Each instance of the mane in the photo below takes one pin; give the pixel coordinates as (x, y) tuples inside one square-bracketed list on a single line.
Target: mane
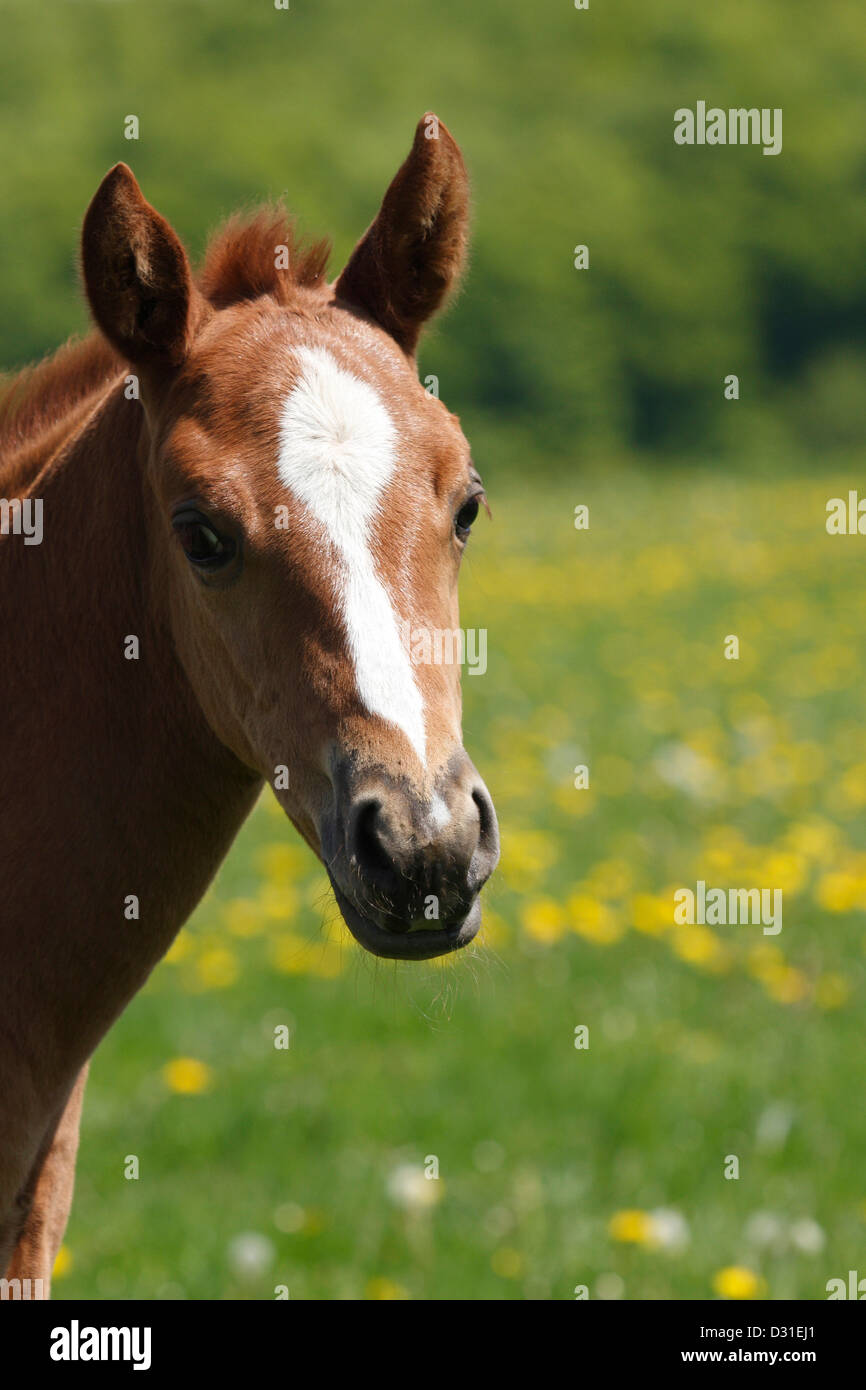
[(261, 254), (251, 255), (38, 397)]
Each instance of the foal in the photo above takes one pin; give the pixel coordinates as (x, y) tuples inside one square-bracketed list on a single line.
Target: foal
[(246, 495)]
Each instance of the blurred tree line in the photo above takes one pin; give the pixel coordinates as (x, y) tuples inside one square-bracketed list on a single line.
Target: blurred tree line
[(702, 261)]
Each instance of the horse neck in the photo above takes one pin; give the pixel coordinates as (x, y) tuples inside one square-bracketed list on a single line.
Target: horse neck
[(119, 786)]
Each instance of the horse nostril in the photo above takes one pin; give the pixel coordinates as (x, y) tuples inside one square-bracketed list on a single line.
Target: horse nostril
[(486, 816), (366, 847), (486, 854)]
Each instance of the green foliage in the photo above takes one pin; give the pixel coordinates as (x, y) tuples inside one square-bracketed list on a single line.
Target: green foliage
[(703, 261)]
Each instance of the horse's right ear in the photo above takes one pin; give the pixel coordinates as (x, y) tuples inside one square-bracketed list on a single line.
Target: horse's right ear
[(136, 274)]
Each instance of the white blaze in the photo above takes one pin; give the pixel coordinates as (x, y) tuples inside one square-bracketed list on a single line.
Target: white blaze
[(337, 455)]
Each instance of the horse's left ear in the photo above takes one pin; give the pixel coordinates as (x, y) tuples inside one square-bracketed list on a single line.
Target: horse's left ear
[(412, 255), (136, 274)]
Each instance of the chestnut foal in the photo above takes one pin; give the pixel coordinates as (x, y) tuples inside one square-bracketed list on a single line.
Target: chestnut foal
[(246, 495)]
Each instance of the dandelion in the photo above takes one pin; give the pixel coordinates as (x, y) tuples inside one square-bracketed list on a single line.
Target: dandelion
[(764, 961), (610, 878), (62, 1262), (282, 863), (838, 892), (288, 953), (651, 914), (217, 968), (496, 930), (507, 1262), (816, 839), (699, 946), (736, 1282), (631, 1227), (593, 919), (786, 985), (187, 1077), (832, 991), (385, 1289), (544, 920), (785, 871), (278, 901), (527, 856), (180, 948), (244, 917)]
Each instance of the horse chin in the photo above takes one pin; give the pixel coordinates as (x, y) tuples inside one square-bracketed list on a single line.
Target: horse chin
[(417, 943)]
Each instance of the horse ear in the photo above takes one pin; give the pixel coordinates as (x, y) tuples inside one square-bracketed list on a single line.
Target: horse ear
[(136, 274), (411, 256)]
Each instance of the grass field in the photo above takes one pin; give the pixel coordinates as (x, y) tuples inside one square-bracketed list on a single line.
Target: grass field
[(558, 1166)]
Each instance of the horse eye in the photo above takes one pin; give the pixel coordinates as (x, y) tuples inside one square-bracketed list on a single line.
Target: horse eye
[(465, 517), (202, 545)]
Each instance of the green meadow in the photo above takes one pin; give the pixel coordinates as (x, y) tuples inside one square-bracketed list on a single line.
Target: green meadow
[(600, 1165)]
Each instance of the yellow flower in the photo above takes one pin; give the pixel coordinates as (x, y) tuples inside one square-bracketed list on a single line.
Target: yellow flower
[(701, 1048), (283, 862), (186, 1076), (650, 914), (765, 961), (574, 802), (289, 953), (180, 948), (699, 946), (593, 919), (63, 1262), (785, 871), (632, 1227), (385, 1289), (328, 959), (544, 920), (294, 955), (832, 991), (271, 805), (507, 1263), (853, 786), (734, 1281), (495, 928), (244, 917), (278, 901), (817, 839), (217, 968), (786, 985), (838, 892), (527, 855), (610, 878)]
